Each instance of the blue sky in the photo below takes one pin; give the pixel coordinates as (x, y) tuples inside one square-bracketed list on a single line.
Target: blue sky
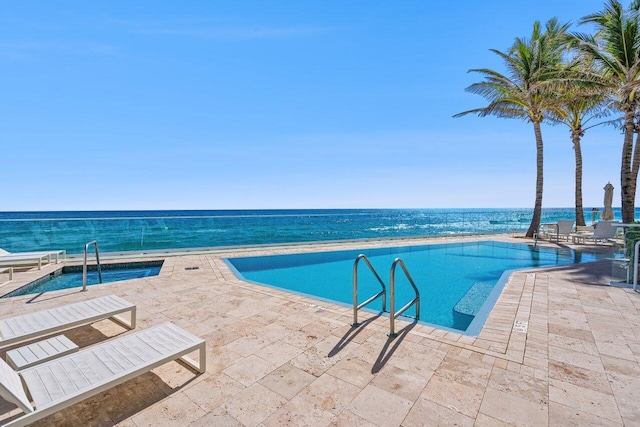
[(279, 104)]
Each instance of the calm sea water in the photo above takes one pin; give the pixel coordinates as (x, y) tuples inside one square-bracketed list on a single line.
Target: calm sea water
[(118, 231)]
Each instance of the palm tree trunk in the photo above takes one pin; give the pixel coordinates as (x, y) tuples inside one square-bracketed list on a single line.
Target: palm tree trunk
[(537, 209), (626, 177), (575, 138), (634, 173)]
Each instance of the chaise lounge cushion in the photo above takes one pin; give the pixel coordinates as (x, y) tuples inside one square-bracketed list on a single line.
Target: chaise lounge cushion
[(62, 382), (45, 322)]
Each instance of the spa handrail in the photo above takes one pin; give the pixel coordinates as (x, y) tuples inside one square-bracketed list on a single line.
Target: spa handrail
[(392, 293), (84, 266), (636, 256), (382, 293)]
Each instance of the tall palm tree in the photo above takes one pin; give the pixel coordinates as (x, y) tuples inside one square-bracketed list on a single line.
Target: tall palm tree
[(526, 91), (616, 49), (583, 99), (576, 114)]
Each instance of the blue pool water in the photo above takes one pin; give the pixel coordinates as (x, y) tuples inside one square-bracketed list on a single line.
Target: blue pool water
[(71, 277), (457, 282), (118, 231)]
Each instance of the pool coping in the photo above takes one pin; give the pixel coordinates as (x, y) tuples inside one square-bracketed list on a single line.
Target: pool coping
[(476, 325), (60, 269), (501, 336), (507, 374)]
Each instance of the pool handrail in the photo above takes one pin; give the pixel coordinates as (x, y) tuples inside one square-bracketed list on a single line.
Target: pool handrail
[(382, 293), (636, 256), (392, 293), (84, 266)]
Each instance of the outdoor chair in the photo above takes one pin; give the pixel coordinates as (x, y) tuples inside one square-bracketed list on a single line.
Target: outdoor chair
[(9, 272), (46, 322), (16, 259), (563, 229), (62, 382), (602, 232)]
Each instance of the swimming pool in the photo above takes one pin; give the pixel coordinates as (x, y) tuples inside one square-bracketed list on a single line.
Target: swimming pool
[(71, 277), (458, 282)]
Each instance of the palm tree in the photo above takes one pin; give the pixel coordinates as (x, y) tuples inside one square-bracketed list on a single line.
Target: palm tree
[(576, 113), (583, 100), (526, 91), (616, 50)]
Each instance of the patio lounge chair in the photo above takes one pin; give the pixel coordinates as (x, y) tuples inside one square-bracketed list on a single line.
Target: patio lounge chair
[(62, 382), (603, 232), (46, 322), (554, 231), (15, 259), (9, 271)]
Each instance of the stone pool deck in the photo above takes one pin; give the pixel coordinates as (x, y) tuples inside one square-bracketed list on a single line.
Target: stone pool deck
[(559, 348)]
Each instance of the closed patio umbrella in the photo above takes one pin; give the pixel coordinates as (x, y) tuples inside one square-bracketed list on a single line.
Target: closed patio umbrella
[(607, 212)]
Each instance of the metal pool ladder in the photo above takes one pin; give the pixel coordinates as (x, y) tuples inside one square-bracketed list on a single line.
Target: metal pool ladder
[(392, 290), (382, 293), (84, 267)]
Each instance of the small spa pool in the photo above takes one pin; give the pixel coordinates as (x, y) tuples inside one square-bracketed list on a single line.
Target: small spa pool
[(459, 283), (71, 277)]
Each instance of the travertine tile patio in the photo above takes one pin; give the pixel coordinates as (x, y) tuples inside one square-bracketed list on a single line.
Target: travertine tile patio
[(275, 358)]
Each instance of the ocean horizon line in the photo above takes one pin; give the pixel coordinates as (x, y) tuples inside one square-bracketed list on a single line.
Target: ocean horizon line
[(286, 209)]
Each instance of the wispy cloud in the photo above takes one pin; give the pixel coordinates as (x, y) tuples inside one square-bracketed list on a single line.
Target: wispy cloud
[(133, 23), (209, 28), (31, 50), (237, 33)]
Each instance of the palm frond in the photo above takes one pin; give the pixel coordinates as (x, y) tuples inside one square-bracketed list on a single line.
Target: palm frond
[(532, 74)]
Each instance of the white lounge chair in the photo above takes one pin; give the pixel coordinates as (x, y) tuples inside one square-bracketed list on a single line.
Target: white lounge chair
[(46, 322), (62, 382), (15, 259), (9, 271), (563, 228), (602, 232)]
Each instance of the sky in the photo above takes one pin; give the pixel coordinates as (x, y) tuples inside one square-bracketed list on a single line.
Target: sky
[(120, 105)]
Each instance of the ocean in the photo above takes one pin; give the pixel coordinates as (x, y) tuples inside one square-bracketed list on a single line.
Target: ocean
[(118, 231)]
